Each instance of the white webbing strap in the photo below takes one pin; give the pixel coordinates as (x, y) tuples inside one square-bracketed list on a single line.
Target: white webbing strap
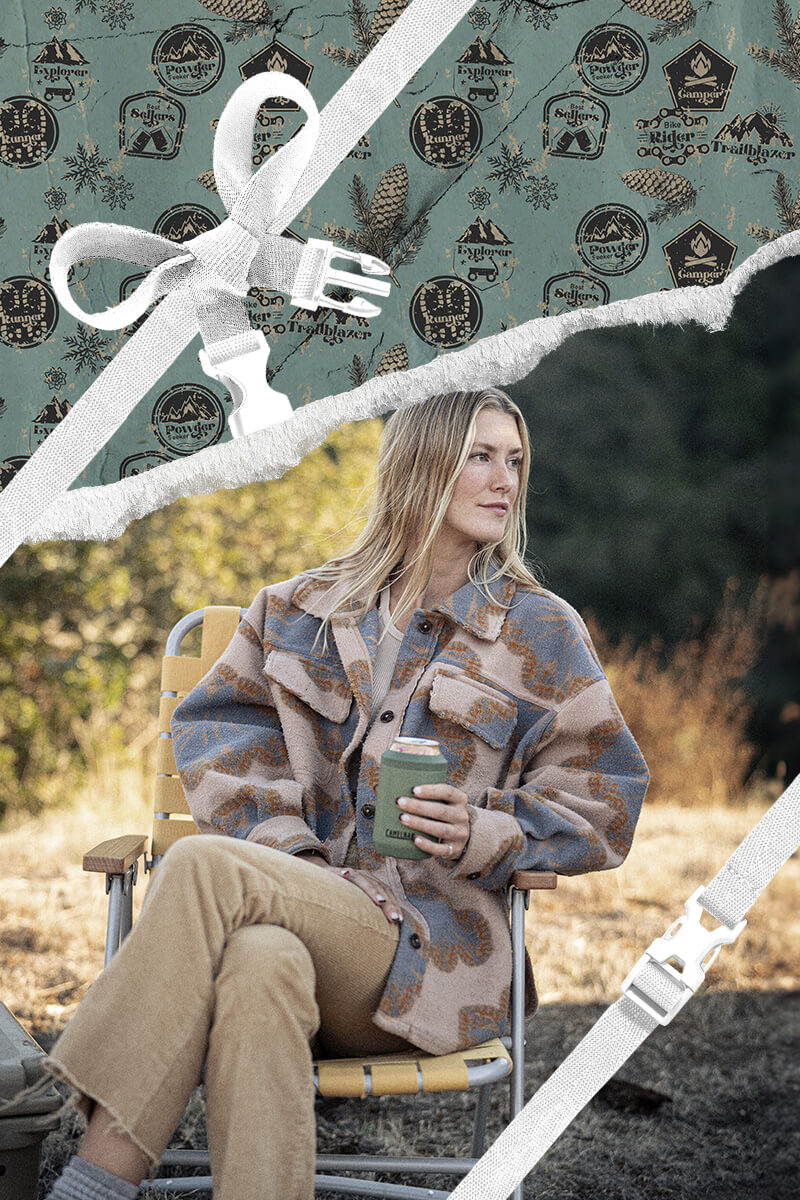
[(654, 992)]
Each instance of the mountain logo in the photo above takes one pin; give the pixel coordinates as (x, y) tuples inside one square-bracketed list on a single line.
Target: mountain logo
[(188, 417), (612, 239), (738, 136), (188, 59), (61, 73), (184, 221), (612, 59), (572, 289), (445, 132), (575, 125), (28, 311), (484, 73), (151, 125), (43, 243), (483, 253), (700, 78), (45, 422), (28, 131), (445, 311), (699, 256)]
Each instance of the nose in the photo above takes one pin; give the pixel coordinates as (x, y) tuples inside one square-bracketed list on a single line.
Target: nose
[(504, 477)]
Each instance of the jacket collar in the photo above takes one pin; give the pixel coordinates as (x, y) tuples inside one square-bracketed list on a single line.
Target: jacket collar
[(467, 606)]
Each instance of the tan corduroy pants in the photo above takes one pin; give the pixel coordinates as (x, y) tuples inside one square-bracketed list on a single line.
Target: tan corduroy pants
[(240, 956)]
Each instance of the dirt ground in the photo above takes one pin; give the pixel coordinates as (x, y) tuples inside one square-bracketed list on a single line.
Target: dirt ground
[(728, 1066), (725, 1123)]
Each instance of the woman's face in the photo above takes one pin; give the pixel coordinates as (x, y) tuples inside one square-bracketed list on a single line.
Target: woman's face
[(488, 483)]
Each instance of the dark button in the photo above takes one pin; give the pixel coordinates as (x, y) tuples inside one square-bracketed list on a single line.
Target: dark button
[(387, 716), (416, 941), (474, 875), (368, 810), (425, 627)]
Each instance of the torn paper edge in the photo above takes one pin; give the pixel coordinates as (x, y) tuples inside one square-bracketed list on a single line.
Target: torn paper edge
[(103, 512)]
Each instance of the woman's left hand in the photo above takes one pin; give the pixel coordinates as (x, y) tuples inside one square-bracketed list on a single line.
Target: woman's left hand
[(439, 810)]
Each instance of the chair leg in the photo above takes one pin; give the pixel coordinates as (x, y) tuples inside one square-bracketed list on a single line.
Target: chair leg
[(479, 1128), (114, 888), (519, 903)]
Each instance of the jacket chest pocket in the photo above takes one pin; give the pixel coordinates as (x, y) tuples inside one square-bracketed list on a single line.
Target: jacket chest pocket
[(475, 705), (313, 681)]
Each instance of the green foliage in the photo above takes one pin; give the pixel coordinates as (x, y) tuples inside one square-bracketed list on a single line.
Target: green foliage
[(82, 624)]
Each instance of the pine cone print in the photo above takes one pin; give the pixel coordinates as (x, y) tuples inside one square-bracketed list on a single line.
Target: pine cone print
[(240, 10), (662, 10), (676, 192), (386, 14), (390, 197), (674, 16), (395, 359)]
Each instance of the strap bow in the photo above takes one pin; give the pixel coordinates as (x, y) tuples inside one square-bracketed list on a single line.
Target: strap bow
[(213, 272)]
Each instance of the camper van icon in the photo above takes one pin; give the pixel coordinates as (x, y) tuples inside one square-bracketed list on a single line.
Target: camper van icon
[(60, 92), (483, 93)]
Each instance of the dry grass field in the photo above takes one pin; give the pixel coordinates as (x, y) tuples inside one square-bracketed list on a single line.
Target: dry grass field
[(728, 1063)]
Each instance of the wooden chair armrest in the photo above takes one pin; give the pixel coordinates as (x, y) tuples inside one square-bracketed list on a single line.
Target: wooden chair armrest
[(116, 855), (529, 880)]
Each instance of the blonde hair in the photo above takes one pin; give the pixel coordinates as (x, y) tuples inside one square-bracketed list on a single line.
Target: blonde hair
[(422, 451)]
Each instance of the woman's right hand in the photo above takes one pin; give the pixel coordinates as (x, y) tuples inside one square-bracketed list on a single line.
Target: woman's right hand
[(378, 894)]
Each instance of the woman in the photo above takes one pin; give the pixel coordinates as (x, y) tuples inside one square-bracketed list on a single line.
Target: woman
[(289, 934)]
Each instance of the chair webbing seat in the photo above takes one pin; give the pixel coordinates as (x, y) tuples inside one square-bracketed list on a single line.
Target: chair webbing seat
[(403, 1074)]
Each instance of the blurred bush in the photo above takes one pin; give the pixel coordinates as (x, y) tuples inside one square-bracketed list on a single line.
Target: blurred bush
[(83, 624)]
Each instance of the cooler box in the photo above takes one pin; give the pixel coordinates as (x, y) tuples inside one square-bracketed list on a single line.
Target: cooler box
[(24, 1126)]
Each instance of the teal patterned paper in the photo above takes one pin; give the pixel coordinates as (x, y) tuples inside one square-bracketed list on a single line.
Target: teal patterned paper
[(542, 159)]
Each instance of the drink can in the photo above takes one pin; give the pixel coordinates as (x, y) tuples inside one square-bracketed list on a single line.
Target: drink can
[(408, 763)]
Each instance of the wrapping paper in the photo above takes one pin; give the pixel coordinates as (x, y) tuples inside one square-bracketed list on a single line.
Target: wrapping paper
[(543, 163)]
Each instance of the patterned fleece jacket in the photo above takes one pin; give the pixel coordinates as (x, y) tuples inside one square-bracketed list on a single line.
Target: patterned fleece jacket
[(512, 690)]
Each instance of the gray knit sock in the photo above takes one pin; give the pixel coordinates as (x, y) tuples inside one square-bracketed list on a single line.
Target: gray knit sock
[(82, 1180)]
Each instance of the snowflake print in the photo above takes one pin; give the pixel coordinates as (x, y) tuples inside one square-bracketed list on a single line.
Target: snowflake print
[(80, 5), (55, 18), (117, 13), (3, 227), (2, 407), (479, 18), (55, 197), (86, 168), (87, 349), (539, 16), (54, 378), (479, 197), (540, 191), (510, 166), (116, 191)]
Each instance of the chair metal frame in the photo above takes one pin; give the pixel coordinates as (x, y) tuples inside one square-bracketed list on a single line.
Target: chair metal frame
[(118, 858)]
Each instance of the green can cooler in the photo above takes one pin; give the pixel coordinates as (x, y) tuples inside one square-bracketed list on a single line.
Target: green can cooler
[(408, 763)]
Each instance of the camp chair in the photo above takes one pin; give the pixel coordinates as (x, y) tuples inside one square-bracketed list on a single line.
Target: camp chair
[(377, 1075)]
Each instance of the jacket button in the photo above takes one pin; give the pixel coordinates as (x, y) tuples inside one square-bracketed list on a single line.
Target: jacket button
[(474, 875), (416, 941), (368, 810), (425, 627), (388, 715)]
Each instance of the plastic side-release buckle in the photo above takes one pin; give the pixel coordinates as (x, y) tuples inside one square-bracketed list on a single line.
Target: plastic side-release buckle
[(255, 404), (684, 953), (315, 271)]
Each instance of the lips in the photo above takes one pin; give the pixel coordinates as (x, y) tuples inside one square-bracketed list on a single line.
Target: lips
[(503, 508)]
